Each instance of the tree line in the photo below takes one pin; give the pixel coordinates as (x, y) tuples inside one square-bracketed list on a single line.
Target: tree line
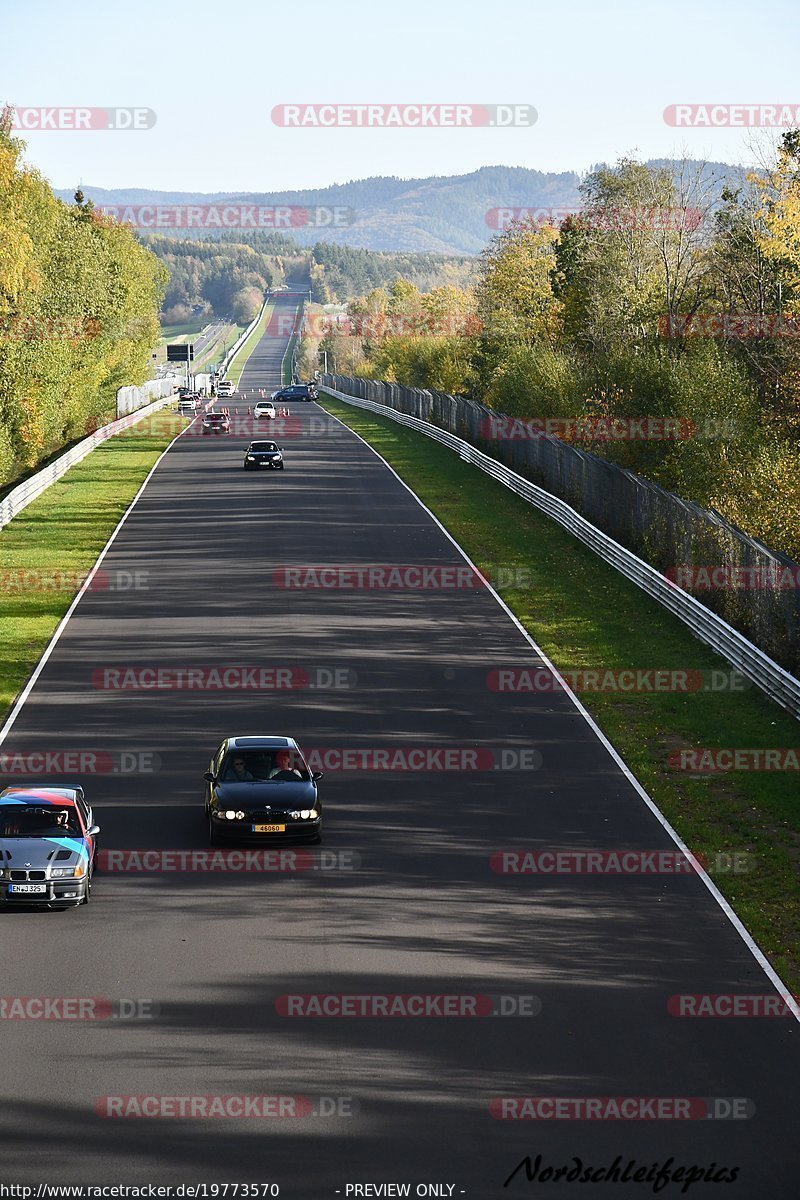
[(223, 277), (79, 302), (667, 295)]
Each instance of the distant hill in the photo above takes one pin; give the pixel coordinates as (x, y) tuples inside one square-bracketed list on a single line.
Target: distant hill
[(439, 215)]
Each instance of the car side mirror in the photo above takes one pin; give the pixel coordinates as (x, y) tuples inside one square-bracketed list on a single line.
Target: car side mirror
[(210, 777), (315, 775), (93, 831)]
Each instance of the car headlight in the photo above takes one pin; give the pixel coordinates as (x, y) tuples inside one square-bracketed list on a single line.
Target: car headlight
[(66, 872), (250, 457), (5, 873), (230, 814)]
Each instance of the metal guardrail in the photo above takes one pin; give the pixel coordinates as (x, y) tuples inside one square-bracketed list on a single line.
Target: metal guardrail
[(706, 625), (22, 495)]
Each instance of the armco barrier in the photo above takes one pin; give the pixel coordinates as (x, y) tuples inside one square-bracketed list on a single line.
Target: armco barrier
[(706, 625), (22, 495)]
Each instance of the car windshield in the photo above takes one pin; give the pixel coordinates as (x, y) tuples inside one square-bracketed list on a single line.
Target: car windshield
[(263, 446), (264, 766), (30, 821), (215, 419)]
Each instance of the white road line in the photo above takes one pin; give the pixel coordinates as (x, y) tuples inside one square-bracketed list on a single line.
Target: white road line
[(760, 958), (29, 686)]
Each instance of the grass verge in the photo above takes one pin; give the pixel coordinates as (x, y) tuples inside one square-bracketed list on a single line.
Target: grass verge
[(587, 617), (47, 550), (183, 331)]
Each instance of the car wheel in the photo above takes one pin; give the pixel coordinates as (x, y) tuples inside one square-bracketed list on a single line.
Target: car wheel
[(315, 841), (88, 893), (213, 837), (280, 468)]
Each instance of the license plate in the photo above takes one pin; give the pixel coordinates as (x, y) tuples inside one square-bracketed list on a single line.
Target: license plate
[(39, 888), (269, 829)]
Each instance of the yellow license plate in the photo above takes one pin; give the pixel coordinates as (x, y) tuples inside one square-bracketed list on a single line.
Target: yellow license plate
[(269, 829)]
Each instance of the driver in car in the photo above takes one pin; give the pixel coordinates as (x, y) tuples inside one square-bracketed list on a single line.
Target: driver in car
[(238, 772), (64, 820), (283, 768)]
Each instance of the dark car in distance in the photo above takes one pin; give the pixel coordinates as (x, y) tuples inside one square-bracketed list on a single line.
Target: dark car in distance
[(263, 454), (260, 789), (297, 391)]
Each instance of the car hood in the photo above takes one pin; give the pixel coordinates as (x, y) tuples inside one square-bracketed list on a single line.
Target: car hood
[(262, 795), (42, 852)]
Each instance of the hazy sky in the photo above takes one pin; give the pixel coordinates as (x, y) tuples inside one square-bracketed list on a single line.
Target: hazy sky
[(599, 76)]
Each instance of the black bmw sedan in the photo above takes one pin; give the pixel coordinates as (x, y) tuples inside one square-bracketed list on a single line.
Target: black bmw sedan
[(259, 789), (263, 454)]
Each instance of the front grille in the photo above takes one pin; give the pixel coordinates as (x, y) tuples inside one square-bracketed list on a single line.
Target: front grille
[(24, 876)]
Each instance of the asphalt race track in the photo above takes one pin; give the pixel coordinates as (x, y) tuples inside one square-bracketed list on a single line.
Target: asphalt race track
[(402, 897)]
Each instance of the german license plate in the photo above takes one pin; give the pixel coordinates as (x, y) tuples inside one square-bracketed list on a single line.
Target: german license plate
[(39, 888), (269, 829)]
